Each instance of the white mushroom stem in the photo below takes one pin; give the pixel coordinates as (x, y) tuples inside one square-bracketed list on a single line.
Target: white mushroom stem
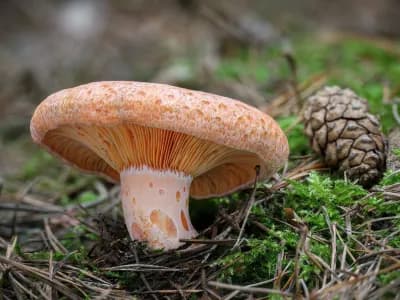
[(156, 206)]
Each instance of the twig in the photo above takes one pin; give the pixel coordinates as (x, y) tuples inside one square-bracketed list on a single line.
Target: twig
[(11, 247), (249, 207), (31, 284), (18, 285), (233, 294), (222, 235), (378, 220), (247, 288), (169, 292), (305, 289), (395, 112), (291, 61), (142, 267), (55, 243), (209, 242), (380, 293), (28, 208), (301, 245), (276, 106), (143, 278), (332, 231), (42, 275), (51, 274)]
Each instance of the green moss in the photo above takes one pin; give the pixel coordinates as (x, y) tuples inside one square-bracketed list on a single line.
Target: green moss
[(298, 141), (318, 201), (318, 191), (84, 197), (389, 277), (396, 152), (254, 264), (76, 235), (78, 256), (38, 163), (389, 177)]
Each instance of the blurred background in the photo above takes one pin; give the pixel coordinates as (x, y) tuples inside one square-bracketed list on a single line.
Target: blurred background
[(235, 48)]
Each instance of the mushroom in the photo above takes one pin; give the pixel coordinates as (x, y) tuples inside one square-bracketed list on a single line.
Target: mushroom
[(163, 144)]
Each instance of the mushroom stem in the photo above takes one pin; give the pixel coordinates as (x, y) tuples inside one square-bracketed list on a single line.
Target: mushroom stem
[(156, 206)]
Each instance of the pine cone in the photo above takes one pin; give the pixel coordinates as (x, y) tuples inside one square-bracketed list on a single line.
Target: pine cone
[(345, 134)]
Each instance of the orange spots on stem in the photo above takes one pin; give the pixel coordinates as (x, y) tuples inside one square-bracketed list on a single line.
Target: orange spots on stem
[(137, 232), (164, 223), (184, 221), (154, 216), (178, 196)]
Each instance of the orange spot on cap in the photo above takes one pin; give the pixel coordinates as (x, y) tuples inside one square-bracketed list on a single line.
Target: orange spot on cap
[(134, 200), (178, 196), (222, 106)]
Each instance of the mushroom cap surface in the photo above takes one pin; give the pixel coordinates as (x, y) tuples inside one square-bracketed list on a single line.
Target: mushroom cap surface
[(111, 105)]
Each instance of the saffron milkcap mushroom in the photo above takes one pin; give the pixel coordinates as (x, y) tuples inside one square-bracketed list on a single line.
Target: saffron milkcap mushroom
[(163, 144)]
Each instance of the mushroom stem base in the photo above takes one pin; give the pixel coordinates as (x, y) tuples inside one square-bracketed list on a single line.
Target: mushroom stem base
[(156, 206)]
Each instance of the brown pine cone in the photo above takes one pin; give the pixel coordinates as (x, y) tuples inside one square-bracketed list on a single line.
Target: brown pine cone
[(345, 134)]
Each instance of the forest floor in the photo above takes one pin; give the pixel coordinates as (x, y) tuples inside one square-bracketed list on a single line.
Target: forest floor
[(310, 233)]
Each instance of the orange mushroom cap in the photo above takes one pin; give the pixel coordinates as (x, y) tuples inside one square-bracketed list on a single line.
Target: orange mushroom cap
[(107, 127)]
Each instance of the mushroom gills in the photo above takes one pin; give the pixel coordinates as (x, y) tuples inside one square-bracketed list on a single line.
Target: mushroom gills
[(216, 169)]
